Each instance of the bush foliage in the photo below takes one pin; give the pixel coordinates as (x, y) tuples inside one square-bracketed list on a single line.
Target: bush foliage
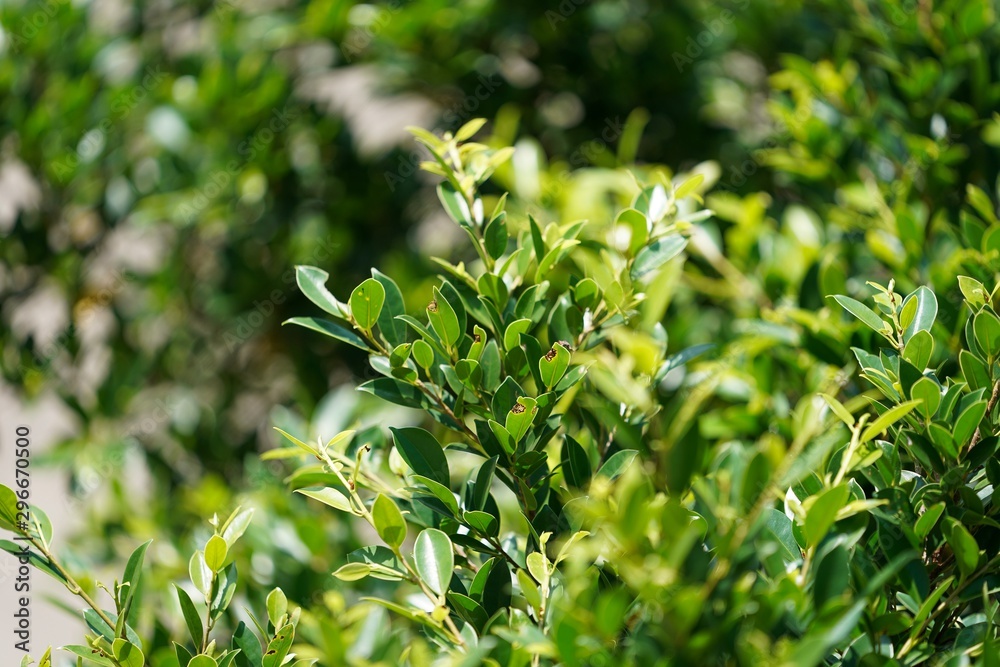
[(743, 412)]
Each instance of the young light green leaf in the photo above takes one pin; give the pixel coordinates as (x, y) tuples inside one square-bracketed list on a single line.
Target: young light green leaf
[(838, 409), (389, 521), (366, 302), (277, 606), (863, 313), (887, 419), (973, 291), (512, 336), (329, 496), (200, 573), (216, 551), (823, 512)]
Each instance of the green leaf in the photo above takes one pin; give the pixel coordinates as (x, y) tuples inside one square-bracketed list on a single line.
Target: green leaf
[(926, 312), (392, 328), (928, 392), (329, 496), (236, 525), (575, 463), (423, 453), (389, 521), (689, 186), (277, 606), (780, 528), (131, 577), (520, 417), (484, 482), (495, 236), (962, 544), (278, 648), (191, 616), (331, 329), (8, 509), (467, 131), (88, 653), (512, 336), (201, 574), (919, 348), (423, 354), (312, 282), (483, 522), (655, 255), (928, 520), (838, 409), (203, 661), (863, 313), (434, 559), (441, 492), (454, 204), (353, 571), (967, 422), (366, 302), (128, 654), (887, 419), (444, 320), (395, 391), (617, 463), (986, 326), (216, 551), (503, 436), (553, 365), (251, 653), (973, 370), (973, 291), (823, 513)]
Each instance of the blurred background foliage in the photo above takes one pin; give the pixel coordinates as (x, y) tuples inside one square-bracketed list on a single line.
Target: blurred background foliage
[(164, 165)]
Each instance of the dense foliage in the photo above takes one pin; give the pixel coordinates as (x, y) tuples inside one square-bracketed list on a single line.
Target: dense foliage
[(785, 484)]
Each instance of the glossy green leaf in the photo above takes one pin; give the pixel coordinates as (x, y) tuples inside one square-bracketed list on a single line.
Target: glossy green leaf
[(823, 512), (863, 313), (331, 329), (312, 282), (434, 559), (986, 326), (423, 453), (443, 319)]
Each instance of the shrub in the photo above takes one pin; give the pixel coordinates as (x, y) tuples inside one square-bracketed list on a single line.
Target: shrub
[(559, 491)]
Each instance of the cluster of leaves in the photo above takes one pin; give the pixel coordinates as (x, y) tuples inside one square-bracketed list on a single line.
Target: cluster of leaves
[(499, 362), (114, 641), (931, 484)]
